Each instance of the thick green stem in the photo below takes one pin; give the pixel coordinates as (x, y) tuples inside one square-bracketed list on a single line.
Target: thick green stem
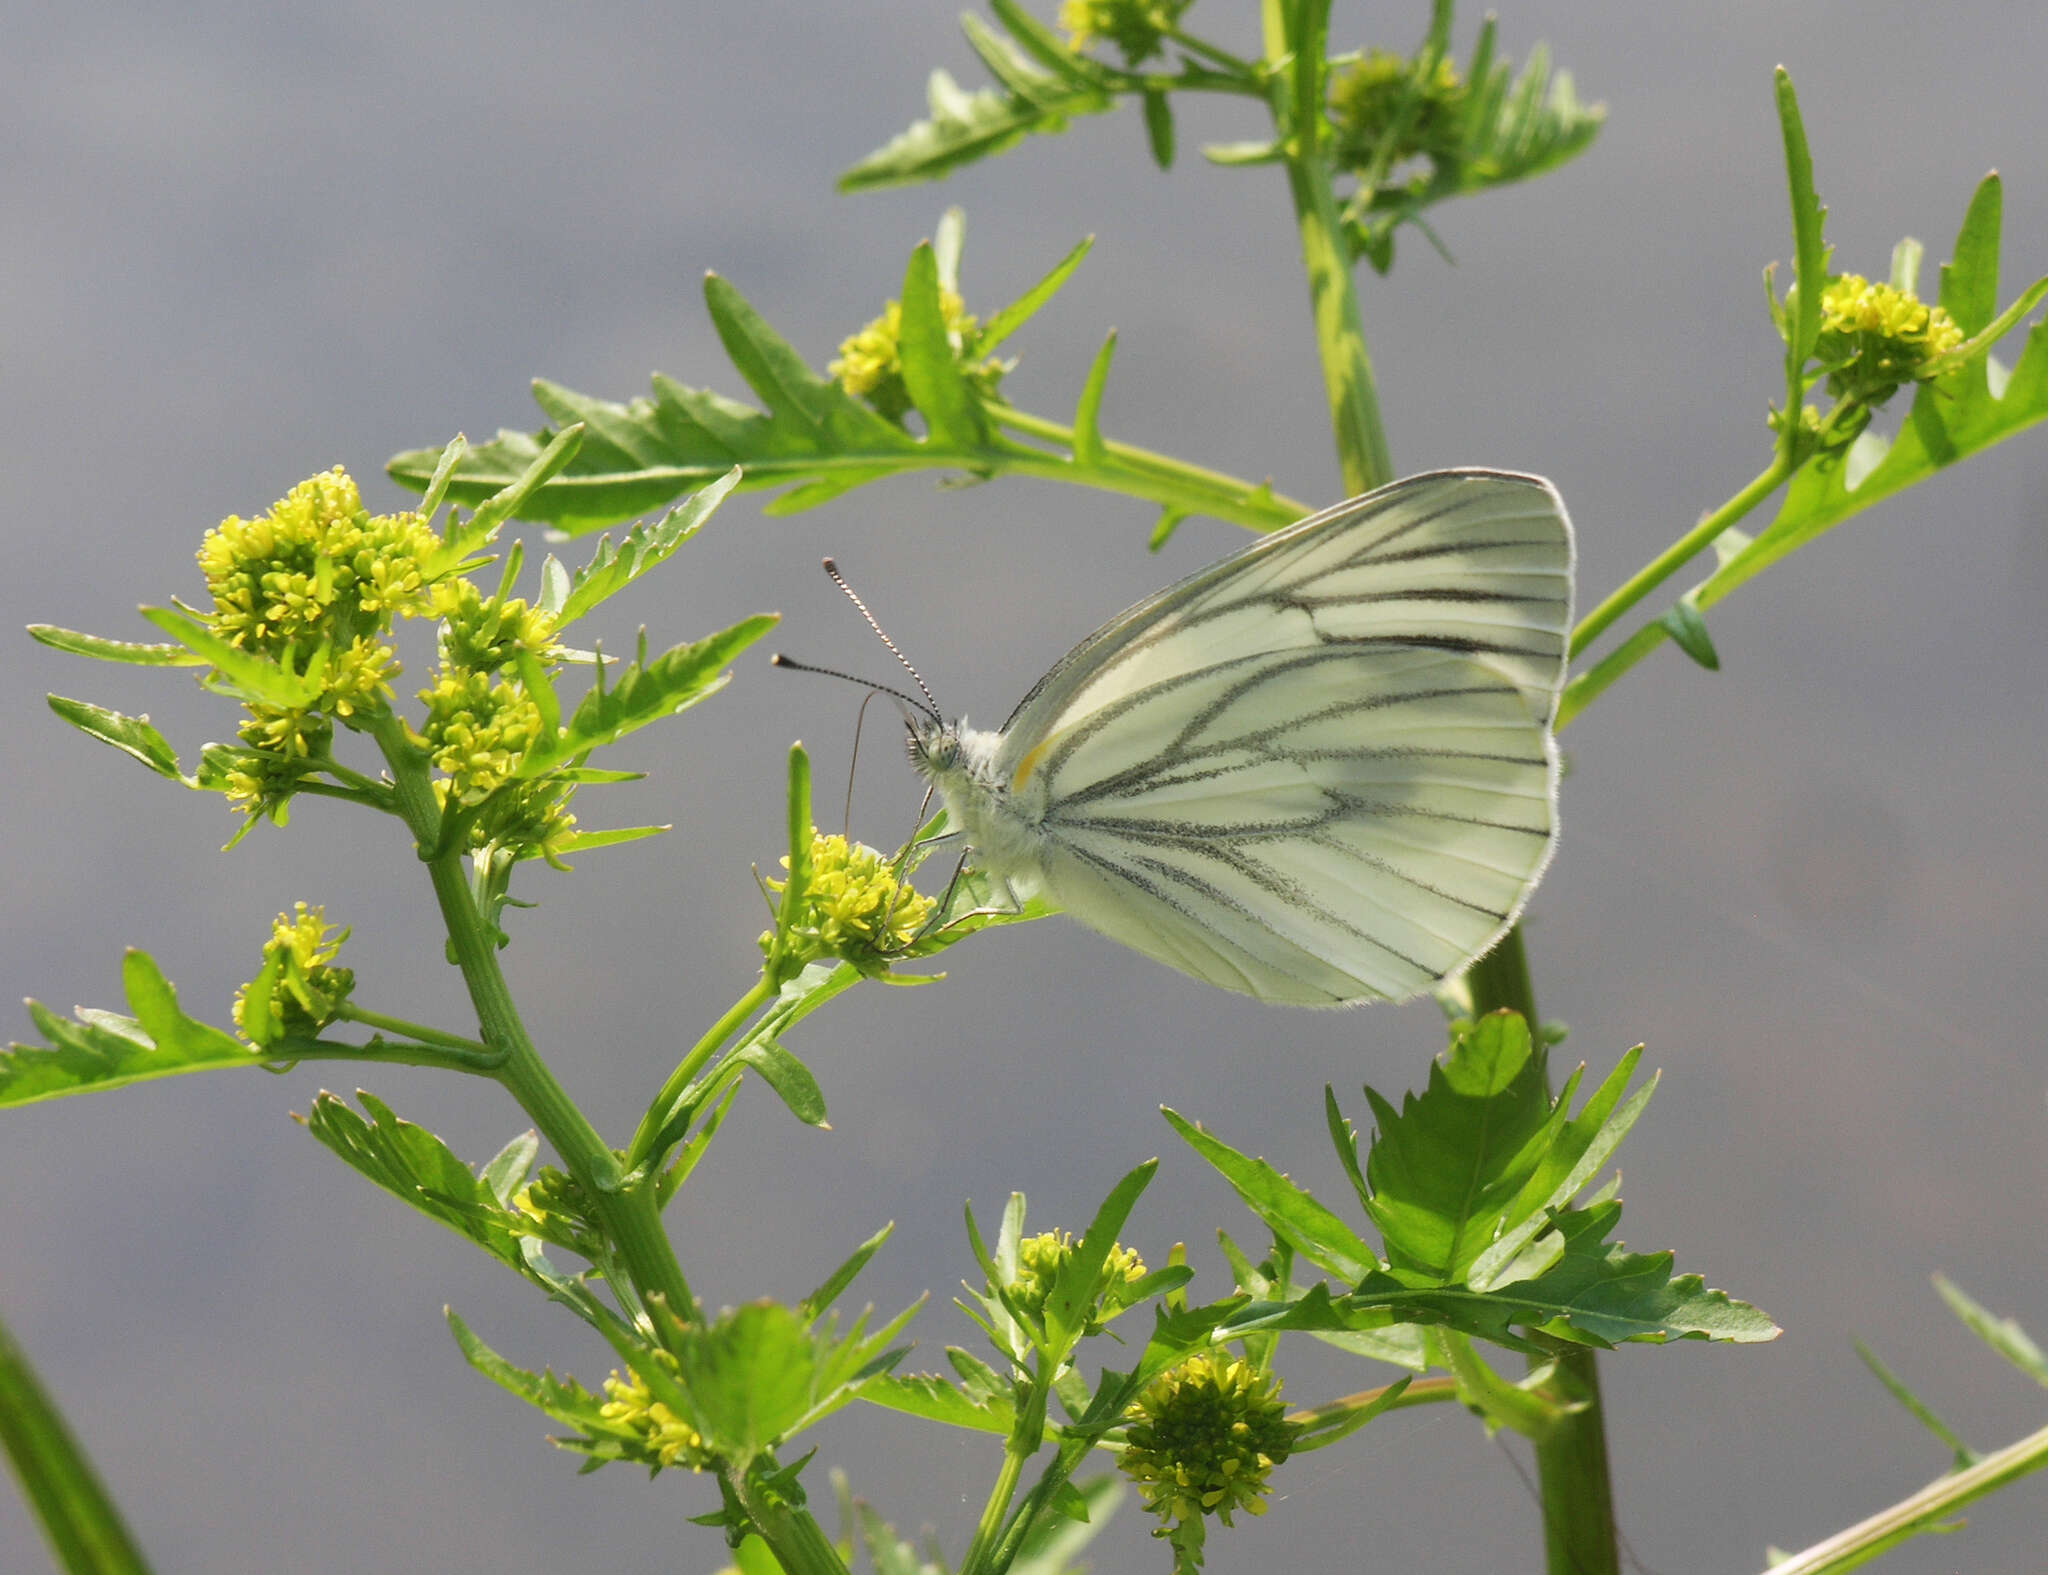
[(1574, 1482), (799, 1543), (630, 1217), (1295, 32)]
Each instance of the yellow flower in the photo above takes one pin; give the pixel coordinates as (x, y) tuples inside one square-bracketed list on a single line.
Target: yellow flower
[(870, 363), (661, 1438), (855, 908), (1136, 27), (1040, 1259), (1874, 337), (301, 992), (477, 731)]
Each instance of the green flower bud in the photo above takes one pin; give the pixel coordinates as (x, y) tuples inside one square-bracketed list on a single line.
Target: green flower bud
[(1368, 96), (482, 634), (1204, 1439), (855, 908)]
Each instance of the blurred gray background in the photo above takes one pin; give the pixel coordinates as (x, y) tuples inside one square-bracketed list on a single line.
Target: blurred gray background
[(246, 242)]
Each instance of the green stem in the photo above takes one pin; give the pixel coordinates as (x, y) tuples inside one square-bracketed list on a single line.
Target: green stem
[(799, 1543), (1247, 69), (1142, 473), (1296, 31), (1027, 1434), (1923, 1511), (630, 1217), (1679, 553), (1574, 1483), (714, 1039), (416, 1031)]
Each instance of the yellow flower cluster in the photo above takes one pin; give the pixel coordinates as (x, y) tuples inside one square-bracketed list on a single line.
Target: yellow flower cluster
[(483, 634), (477, 730), (319, 566), (1875, 337), (1204, 1439), (870, 363), (856, 909), (1367, 96), (306, 992), (1136, 27), (664, 1439), (1040, 1259)]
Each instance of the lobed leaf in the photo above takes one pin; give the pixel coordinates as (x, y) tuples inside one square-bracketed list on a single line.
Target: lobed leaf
[(1290, 1211), (99, 1049), (611, 569)]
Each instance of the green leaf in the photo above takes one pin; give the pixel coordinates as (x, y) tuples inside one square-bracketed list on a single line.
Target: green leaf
[(1447, 1171), (1683, 621), (254, 677), (1290, 1211), (132, 735), (964, 127), (415, 1166), (507, 502), (611, 569), (1072, 1297), (563, 1399), (931, 367), (790, 1078), (646, 692), (821, 1299), (2003, 1335), (99, 1049), (1809, 255), (929, 1396), (1159, 127), (79, 1517), (102, 649), (1088, 449), (1054, 1543), (1964, 1455), (1007, 320)]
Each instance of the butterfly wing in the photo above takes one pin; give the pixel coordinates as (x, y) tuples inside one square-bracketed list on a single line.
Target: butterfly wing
[(1320, 770)]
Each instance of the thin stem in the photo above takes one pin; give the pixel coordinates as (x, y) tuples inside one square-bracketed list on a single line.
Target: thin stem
[(1222, 57), (416, 1031), (1027, 1434), (714, 1039), (1859, 1544), (1679, 553), (1296, 32)]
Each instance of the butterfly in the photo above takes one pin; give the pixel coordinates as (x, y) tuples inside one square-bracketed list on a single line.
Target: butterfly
[(1320, 771)]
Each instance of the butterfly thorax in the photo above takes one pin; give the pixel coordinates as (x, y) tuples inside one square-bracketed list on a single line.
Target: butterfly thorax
[(999, 823)]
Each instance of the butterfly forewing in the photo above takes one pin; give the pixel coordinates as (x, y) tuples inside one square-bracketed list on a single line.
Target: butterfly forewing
[(1321, 770)]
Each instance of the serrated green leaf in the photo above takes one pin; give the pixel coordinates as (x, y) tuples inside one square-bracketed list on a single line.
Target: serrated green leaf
[(931, 368), (132, 735), (104, 650), (1447, 1171), (100, 1049), (646, 692), (929, 1396), (964, 127), (86, 1533), (1072, 1296), (1290, 1211), (415, 1166), (611, 569)]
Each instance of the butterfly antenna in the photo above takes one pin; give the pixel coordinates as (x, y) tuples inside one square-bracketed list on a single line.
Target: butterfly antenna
[(790, 662), (860, 718), (832, 569)]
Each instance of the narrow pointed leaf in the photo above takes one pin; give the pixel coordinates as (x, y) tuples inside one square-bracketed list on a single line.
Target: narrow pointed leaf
[(931, 368), (132, 735), (1007, 320), (1088, 449), (1289, 1210), (102, 649)]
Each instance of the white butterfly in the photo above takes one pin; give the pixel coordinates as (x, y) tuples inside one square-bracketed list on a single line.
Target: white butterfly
[(1320, 771)]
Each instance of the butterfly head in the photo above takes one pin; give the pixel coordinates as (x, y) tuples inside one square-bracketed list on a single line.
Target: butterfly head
[(934, 744)]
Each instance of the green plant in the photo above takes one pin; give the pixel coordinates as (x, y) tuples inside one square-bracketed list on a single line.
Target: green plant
[(1481, 1242)]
